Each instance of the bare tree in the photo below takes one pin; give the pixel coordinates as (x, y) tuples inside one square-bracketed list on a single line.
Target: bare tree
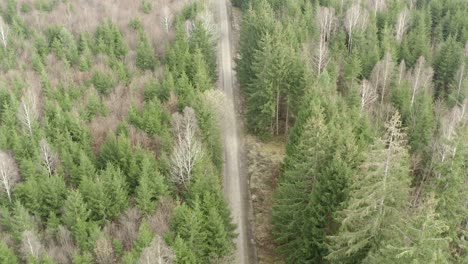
[(188, 148), (420, 76), (450, 123), (382, 74), (377, 6), (326, 21), (28, 112), (166, 17), (104, 251), (461, 79), (31, 246), (157, 253), (356, 19), (368, 95), (4, 30), (401, 71), (209, 24), (8, 173), (48, 157), (401, 25)]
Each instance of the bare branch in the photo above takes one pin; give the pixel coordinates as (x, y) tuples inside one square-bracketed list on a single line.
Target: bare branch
[(157, 253), (420, 77), (4, 30), (326, 21), (8, 173), (401, 71), (29, 108), (368, 95), (377, 6), (48, 157), (31, 246), (401, 25), (188, 148), (104, 251), (356, 19), (382, 74), (166, 18)]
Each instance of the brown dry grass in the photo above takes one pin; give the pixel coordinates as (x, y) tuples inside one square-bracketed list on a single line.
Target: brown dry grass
[(264, 159)]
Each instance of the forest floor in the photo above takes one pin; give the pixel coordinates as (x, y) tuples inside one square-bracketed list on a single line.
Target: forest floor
[(235, 182), (263, 161)]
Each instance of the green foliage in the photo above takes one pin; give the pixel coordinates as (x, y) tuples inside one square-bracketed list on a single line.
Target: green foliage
[(7, 256), (151, 186), (75, 210), (103, 82), (146, 6), (446, 64), (145, 55), (377, 200), (109, 40)]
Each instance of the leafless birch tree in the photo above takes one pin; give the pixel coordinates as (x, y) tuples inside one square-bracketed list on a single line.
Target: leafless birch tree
[(326, 21), (187, 149), (450, 123), (166, 17), (31, 246), (157, 253), (401, 71), (208, 22), (48, 157), (356, 19), (401, 25), (377, 6), (420, 76), (8, 173), (382, 74), (28, 112), (4, 30), (368, 95)]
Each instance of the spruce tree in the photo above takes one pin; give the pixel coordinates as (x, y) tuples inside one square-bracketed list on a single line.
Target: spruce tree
[(145, 55), (446, 64), (74, 209), (377, 201), (7, 256)]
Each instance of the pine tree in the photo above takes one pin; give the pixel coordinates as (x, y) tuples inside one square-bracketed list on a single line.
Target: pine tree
[(75, 209), (95, 197), (446, 64), (292, 195), (7, 256), (377, 200), (261, 91), (423, 240), (115, 189), (218, 239), (200, 76), (145, 55), (145, 195), (184, 253), (53, 194)]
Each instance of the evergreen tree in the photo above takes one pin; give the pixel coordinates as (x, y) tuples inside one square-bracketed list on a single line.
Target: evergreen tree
[(75, 209), (446, 64), (184, 253), (377, 200), (115, 189), (7, 256), (145, 55), (422, 241)]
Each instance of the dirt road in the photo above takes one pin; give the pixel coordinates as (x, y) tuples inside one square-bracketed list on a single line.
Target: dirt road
[(235, 183)]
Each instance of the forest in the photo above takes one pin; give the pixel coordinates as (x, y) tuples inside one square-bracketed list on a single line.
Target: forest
[(110, 150), (370, 97)]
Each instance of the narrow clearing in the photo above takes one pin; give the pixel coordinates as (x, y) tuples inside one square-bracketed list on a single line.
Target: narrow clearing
[(235, 184)]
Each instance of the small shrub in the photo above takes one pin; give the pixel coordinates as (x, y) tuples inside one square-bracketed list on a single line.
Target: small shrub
[(103, 82)]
